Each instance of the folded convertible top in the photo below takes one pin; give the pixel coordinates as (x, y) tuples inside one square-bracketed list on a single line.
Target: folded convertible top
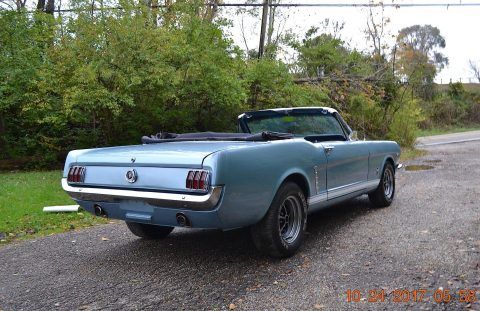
[(214, 136)]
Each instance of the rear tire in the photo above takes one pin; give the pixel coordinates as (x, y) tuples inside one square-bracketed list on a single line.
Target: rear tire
[(280, 233), (385, 192), (150, 232)]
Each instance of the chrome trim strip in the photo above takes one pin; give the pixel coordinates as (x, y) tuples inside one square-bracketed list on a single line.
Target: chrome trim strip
[(173, 200), (317, 198), (347, 189), (317, 181)]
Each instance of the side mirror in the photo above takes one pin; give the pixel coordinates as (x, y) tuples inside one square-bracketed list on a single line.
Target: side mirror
[(353, 135)]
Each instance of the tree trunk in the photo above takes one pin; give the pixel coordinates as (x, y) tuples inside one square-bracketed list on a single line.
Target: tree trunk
[(41, 5), (271, 24), (20, 4), (50, 8), (211, 10)]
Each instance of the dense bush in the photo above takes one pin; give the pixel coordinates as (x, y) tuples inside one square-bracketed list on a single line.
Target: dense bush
[(109, 77), (452, 107)]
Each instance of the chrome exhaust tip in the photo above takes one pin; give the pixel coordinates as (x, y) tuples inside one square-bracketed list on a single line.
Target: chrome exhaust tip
[(99, 211), (183, 220)]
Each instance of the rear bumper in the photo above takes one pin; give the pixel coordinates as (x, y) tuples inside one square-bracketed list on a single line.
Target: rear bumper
[(200, 202), (138, 211)]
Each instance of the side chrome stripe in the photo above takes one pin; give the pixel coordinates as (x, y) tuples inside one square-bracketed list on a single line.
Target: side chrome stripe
[(317, 198), (347, 189), (344, 190)]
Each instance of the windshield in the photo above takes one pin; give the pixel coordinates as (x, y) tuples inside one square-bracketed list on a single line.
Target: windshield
[(297, 124)]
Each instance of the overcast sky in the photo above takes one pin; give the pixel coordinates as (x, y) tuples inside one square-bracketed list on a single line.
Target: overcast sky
[(459, 26)]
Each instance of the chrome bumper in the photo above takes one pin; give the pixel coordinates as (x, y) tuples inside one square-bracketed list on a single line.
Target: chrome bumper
[(170, 200)]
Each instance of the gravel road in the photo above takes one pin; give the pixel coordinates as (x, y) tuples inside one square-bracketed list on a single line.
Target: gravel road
[(448, 138), (428, 239)]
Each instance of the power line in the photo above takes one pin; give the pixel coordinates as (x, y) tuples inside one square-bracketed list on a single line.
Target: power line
[(456, 4), (298, 5)]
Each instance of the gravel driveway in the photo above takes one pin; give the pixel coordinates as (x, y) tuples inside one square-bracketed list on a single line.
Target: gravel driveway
[(428, 239)]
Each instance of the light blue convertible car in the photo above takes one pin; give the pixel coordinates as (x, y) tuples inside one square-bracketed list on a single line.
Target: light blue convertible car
[(282, 165)]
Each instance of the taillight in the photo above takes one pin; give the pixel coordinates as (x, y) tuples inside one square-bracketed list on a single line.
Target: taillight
[(198, 180), (76, 174)]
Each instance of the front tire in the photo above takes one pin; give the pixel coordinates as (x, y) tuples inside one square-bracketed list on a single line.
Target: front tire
[(280, 233), (150, 232), (383, 195)]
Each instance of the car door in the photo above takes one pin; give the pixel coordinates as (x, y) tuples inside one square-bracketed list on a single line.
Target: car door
[(347, 163), (347, 167)]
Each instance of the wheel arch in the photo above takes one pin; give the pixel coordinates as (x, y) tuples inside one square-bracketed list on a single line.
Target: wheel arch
[(298, 177), (389, 159), (300, 180)]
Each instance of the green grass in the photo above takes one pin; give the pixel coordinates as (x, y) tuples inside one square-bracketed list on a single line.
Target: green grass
[(22, 198), (447, 130)]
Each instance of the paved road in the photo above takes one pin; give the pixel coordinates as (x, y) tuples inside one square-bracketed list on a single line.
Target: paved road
[(448, 138), (428, 239)]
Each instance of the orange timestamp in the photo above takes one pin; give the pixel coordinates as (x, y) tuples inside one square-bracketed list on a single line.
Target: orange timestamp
[(417, 295)]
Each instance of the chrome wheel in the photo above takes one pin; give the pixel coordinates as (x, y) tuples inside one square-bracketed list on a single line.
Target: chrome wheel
[(290, 219), (388, 183)]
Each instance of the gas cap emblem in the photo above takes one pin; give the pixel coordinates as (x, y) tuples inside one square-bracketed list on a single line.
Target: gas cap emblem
[(131, 176)]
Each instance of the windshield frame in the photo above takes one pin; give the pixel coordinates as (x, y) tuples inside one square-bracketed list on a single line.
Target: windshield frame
[(244, 118)]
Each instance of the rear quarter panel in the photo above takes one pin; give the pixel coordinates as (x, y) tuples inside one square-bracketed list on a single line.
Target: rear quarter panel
[(252, 176)]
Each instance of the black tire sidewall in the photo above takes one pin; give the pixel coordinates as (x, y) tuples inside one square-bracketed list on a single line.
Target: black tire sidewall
[(285, 191), (388, 166)]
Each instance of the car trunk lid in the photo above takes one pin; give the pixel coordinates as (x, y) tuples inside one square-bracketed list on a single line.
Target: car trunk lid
[(162, 166)]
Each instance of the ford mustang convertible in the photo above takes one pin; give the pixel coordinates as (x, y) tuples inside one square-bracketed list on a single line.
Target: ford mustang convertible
[(281, 165)]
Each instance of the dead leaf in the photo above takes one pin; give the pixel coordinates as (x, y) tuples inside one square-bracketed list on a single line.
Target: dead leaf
[(105, 239), (318, 307), (232, 306)]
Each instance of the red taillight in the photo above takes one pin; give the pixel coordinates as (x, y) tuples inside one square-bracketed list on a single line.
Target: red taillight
[(76, 170), (197, 180), (190, 175), (201, 182), (76, 174)]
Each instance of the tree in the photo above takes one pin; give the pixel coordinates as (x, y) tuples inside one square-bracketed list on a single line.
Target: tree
[(475, 69), (426, 40), (419, 57), (49, 7), (328, 55), (375, 32)]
